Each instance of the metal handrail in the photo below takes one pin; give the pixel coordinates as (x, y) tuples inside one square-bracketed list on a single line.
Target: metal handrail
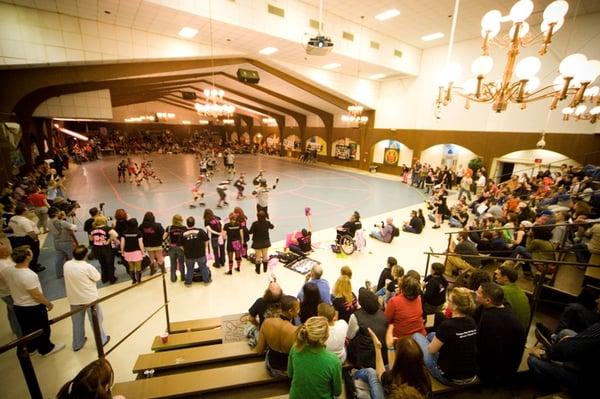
[(98, 301), (24, 339), (533, 226)]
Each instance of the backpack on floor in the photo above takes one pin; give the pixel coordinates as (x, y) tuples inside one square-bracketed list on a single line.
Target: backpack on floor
[(395, 231)]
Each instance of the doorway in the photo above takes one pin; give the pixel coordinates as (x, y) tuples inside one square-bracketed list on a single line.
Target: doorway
[(506, 171)]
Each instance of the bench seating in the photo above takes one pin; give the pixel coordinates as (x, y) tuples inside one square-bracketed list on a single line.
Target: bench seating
[(438, 388), (188, 339), (196, 382), (195, 325), (171, 359)]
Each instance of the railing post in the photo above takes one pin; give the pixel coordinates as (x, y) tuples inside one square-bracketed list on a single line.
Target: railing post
[(537, 293), (97, 335), (166, 299), (28, 372), (447, 250), (427, 265)]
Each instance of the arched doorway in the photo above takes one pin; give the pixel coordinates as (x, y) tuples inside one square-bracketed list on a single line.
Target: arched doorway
[(345, 149), (317, 143), (528, 161), (397, 153), (292, 143), (450, 155)]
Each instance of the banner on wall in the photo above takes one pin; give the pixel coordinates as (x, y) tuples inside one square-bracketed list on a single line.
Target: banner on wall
[(345, 152), (391, 156)]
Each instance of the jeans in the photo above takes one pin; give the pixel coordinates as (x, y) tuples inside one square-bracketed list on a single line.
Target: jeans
[(455, 222), (552, 376), (369, 375), (218, 250), (377, 235), (409, 229), (189, 269), (176, 257), (64, 252), (430, 359), (79, 327), (462, 190), (12, 317)]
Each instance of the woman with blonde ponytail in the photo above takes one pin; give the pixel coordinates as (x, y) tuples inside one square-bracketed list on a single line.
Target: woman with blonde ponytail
[(315, 372)]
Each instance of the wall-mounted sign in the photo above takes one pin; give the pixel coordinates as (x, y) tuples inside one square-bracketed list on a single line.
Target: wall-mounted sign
[(391, 156)]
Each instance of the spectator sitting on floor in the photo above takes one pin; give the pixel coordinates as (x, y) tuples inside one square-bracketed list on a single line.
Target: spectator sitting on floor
[(576, 316), (571, 363), (314, 276), (268, 305), (414, 225), (501, 336), (300, 242), (435, 289), (277, 336), (338, 328), (506, 276), (386, 231), (459, 261)]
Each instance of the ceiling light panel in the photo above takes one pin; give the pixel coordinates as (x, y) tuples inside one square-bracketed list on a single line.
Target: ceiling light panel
[(268, 50), (188, 32), (384, 16), (377, 76), (333, 65), (432, 36)]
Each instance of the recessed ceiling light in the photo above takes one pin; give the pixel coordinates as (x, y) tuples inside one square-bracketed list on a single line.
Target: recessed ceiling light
[(433, 36), (268, 50), (377, 76), (188, 32), (333, 65), (391, 13)]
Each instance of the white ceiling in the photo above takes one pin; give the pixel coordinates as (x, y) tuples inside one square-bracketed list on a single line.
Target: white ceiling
[(421, 17)]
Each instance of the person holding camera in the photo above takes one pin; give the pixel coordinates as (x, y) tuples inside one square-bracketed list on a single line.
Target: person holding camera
[(63, 234), (262, 195), (386, 232)]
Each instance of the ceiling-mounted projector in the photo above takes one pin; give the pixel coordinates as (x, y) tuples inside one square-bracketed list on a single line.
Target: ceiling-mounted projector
[(319, 45)]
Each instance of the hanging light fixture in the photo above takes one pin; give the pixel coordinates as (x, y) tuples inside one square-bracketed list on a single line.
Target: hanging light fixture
[(355, 111), (577, 73), (213, 108)]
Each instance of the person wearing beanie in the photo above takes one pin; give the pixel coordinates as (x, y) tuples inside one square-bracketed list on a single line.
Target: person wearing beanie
[(361, 351)]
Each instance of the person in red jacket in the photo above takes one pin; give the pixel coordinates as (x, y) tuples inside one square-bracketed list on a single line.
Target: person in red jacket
[(405, 311)]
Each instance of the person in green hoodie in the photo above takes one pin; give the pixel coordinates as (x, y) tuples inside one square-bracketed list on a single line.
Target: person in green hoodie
[(315, 372), (506, 276)]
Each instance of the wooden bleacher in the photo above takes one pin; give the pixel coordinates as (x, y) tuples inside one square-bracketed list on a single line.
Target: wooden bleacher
[(196, 382), (179, 358), (439, 388), (188, 339), (195, 325)]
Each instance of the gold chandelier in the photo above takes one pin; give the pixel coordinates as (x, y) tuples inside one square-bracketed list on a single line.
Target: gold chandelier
[(577, 72), (355, 111), (213, 107)]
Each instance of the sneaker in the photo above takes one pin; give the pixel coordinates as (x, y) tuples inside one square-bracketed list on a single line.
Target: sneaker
[(82, 345), (237, 269), (545, 331), (57, 348), (542, 339), (192, 206), (228, 272)]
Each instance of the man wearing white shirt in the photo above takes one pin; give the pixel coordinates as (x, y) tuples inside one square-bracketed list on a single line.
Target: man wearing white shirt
[(26, 233), (31, 306), (6, 264), (80, 283)]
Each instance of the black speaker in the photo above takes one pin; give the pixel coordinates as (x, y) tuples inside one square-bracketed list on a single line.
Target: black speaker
[(188, 95), (247, 76)]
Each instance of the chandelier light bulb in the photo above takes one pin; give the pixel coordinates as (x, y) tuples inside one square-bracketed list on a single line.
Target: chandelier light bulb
[(450, 74), (470, 86), (521, 10), (522, 31), (482, 65), (545, 27), (568, 110), (595, 110), (532, 84), (558, 82), (491, 20), (589, 71), (528, 67), (580, 109), (556, 11), (591, 91), (572, 64)]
